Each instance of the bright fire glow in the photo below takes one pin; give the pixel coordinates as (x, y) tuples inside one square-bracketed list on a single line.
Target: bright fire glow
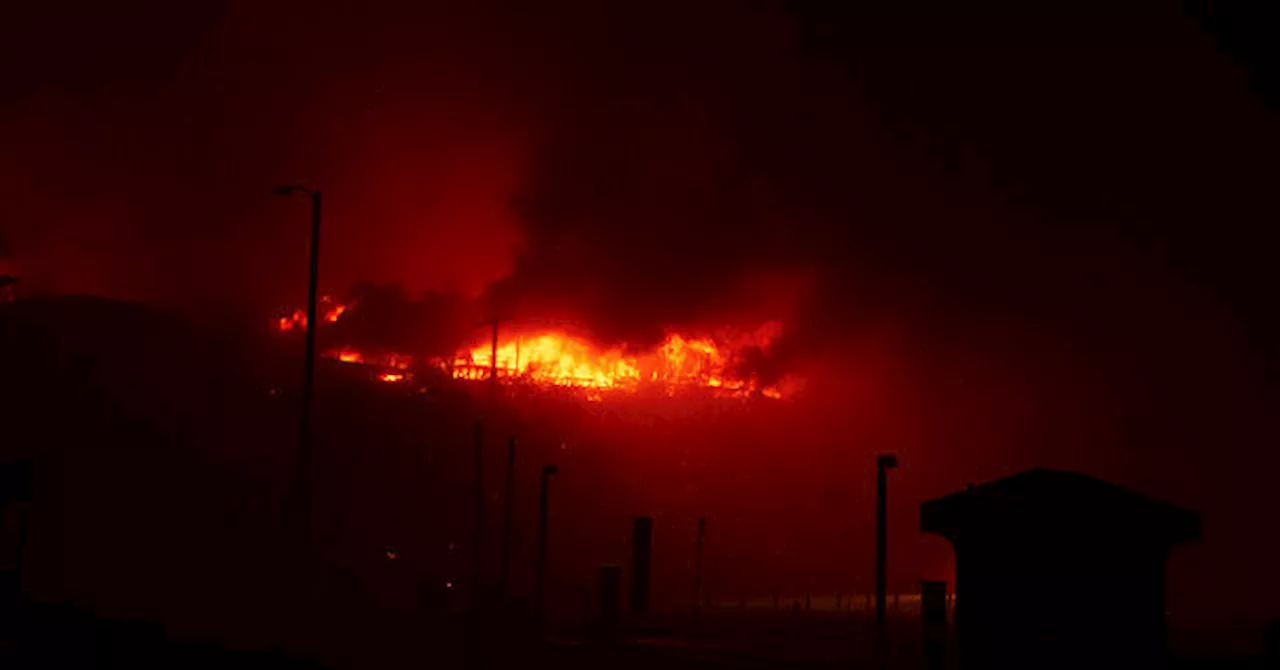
[(554, 358), (558, 359), (349, 356), (298, 319)]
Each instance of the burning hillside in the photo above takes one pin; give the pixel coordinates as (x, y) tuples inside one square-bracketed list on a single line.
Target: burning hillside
[(719, 363)]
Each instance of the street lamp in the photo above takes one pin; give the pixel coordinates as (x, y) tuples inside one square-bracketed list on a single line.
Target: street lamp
[(309, 355)]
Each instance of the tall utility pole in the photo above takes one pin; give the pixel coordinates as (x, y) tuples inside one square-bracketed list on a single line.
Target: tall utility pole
[(540, 576), (493, 361), (301, 490), (479, 454), (493, 354), (884, 463), (508, 503), (697, 564)]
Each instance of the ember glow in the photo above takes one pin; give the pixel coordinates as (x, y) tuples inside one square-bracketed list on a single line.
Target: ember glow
[(331, 310)]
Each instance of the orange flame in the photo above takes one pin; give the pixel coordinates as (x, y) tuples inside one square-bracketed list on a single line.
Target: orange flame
[(556, 359), (298, 318), (349, 356)]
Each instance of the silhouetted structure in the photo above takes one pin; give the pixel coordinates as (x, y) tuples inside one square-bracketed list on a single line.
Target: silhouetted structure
[(508, 507), (477, 533), (302, 491), (641, 564), (697, 564), (1059, 570), (493, 356), (884, 463), (540, 576), (610, 596), (15, 489), (933, 616), (933, 603)]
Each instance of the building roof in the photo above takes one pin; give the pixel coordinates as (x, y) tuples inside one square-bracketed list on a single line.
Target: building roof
[(1057, 501)]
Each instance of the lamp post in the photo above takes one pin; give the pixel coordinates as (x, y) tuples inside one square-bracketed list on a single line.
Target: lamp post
[(300, 484)]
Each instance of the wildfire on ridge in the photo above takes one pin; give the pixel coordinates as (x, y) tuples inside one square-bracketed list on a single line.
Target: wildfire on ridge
[(554, 358), (559, 359)]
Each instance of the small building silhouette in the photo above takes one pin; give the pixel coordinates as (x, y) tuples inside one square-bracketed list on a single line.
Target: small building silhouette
[(1059, 570)]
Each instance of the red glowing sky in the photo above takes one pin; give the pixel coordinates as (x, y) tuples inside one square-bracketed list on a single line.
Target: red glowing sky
[(1063, 241)]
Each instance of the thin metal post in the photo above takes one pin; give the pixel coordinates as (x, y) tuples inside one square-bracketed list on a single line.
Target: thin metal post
[(933, 614), (302, 479), (641, 564), (881, 553), (697, 564), (883, 464), (610, 586), (508, 503), (493, 362), (477, 535), (539, 595)]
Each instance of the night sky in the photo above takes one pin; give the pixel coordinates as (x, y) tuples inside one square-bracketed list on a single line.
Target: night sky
[(997, 239)]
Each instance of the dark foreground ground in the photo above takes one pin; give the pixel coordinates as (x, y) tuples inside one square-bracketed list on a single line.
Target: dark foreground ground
[(58, 637)]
